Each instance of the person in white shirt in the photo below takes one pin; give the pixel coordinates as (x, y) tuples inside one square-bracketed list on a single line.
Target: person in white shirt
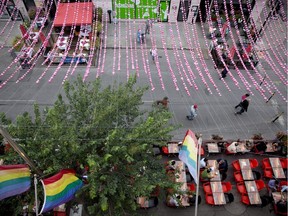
[(193, 112), (233, 147), (153, 53), (203, 162)]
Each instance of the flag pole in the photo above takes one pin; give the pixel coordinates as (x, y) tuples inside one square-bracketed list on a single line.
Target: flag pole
[(198, 172), (36, 197)]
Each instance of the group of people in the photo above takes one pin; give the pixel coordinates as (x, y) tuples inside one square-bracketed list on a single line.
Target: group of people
[(274, 186), (208, 171)]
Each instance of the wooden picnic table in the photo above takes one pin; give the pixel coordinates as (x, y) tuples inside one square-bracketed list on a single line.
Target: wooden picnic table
[(213, 148), (253, 192), (215, 172)]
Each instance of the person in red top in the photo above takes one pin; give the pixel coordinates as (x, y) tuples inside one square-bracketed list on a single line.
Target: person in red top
[(242, 99)]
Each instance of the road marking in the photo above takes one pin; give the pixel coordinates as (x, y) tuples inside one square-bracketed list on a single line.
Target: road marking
[(275, 106)]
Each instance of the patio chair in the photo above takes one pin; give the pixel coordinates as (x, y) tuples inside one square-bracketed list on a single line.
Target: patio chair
[(245, 199), (165, 150), (260, 184), (191, 187), (226, 186), (207, 188), (266, 163), (238, 176), (236, 165), (241, 188), (253, 163), (268, 173), (284, 162), (209, 199)]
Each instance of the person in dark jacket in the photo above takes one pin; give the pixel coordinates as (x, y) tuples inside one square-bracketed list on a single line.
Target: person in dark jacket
[(223, 73), (244, 107)]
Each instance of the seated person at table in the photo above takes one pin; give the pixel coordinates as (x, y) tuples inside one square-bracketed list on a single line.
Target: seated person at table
[(203, 163), (273, 185), (260, 147), (284, 188), (282, 206), (222, 165), (172, 200), (207, 174), (276, 147), (171, 165), (233, 147)]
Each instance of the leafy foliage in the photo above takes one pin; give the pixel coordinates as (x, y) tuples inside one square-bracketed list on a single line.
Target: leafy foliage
[(105, 130)]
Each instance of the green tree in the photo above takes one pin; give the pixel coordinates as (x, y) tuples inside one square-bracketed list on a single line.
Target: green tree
[(103, 129)]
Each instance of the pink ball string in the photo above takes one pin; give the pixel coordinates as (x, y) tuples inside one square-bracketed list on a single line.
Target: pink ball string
[(258, 87), (273, 46), (130, 41), (93, 41), (206, 43), (127, 49), (192, 76), (250, 38), (119, 46), (174, 79), (153, 41), (218, 51), (246, 84), (135, 50)]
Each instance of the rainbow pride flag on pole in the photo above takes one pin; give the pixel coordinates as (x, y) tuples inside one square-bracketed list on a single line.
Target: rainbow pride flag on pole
[(59, 189), (188, 153), (14, 180)]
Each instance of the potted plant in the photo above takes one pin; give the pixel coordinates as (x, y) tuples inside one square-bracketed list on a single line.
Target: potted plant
[(257, 136), (20, 43), (32, 13), (99, 13), (216, 137)]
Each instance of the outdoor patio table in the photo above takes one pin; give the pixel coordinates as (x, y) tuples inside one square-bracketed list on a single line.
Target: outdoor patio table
[(84, 43), (180, 174), (173, 148), (214, 164), (216, 187), (279, 172), (34, 36), (247, 174), (213, 148), (62, 42), (244, 164), (143, 201), (26, 52), (275, 162), (253, 193), (219, 198), (242, 147), (270, 148), (277, 196)]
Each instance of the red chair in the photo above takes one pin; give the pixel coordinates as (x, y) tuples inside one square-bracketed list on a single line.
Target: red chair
[(209, 199), (226, 186), (207, 188), (266, 163), (202, 152), (165, 150), (191, 187), (245, 199), (260, 184), (238, 176), (241, 188), (253, 163), (268, 173), (284, 162), (226, 151), (236, 165)]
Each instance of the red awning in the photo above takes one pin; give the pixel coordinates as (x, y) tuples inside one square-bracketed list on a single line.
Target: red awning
[(78, 13)]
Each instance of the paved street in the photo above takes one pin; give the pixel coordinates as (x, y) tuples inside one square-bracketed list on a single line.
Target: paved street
[(216, 109)]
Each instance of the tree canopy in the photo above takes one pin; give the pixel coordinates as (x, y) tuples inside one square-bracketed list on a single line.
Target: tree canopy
[(104, 130)]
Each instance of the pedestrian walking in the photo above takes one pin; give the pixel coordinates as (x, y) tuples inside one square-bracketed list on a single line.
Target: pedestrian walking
[(242, 99), (193, 112), (153, 53), (244, 107), (224, 73), (147, 27), (139, 35)]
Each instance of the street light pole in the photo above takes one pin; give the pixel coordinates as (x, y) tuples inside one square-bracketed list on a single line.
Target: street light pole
[(19, 150)]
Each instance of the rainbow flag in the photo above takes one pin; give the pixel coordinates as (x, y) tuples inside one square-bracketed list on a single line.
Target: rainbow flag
[(59, 189), (188, 153), (14, 180)]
